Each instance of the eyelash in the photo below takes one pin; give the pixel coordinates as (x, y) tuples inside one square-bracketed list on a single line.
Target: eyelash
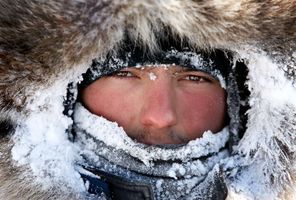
[(196, 78)]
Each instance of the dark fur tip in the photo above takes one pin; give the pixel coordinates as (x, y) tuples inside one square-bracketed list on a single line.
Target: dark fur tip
[(6, 127)]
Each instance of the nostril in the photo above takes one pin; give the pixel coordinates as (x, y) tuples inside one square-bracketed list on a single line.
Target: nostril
[(158, 122)]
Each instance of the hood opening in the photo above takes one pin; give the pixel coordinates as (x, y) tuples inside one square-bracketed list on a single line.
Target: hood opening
[(238, 93)]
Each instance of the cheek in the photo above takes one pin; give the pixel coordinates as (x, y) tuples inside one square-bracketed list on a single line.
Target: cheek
[(114, 103), (202, 111)]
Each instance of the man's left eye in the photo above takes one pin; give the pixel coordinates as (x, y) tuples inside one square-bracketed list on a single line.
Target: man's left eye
[(196, 78)]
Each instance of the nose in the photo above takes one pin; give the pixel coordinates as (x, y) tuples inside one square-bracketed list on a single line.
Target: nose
[(158, 110)]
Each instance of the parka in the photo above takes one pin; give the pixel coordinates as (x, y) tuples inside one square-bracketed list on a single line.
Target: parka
[(45, 46)]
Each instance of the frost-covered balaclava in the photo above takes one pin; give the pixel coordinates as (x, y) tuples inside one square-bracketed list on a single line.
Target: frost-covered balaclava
[(120, 166)]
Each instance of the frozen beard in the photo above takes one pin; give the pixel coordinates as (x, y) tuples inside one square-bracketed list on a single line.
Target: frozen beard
[(183, 171)]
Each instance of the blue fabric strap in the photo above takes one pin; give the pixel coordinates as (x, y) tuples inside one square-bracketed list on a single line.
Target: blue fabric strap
[(114, 187)]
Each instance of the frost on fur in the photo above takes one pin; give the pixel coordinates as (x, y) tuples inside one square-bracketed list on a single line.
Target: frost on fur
[(45, 45)]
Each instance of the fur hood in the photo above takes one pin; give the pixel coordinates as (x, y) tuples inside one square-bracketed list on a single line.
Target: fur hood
[(44, 45)]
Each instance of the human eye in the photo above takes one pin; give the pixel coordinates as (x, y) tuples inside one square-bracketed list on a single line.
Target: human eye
[(193, 78), (123, 74), (196, 78)]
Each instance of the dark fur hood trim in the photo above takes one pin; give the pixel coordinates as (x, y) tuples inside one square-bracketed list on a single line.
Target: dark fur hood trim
[(46, 43)]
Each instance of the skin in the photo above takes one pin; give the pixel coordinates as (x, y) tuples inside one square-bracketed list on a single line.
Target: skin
[(159, 105)]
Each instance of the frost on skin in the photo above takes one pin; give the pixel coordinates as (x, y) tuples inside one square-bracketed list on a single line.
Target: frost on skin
[(152, 76)]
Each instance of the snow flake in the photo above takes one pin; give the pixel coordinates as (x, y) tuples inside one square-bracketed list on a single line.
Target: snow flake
[(152, 76)]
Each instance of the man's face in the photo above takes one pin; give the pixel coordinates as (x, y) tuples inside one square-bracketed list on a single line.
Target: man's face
[(159, 105)]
